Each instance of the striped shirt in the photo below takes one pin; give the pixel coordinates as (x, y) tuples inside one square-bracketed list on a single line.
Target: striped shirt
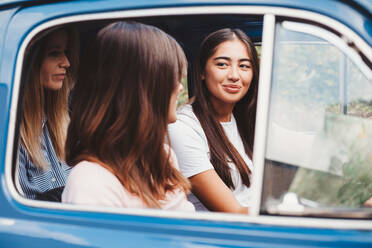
[(32, 180)]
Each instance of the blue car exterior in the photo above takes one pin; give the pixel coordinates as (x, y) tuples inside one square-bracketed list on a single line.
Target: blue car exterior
[(27, 225)]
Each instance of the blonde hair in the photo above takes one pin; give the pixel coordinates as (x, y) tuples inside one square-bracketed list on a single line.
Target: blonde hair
[(39, 103)]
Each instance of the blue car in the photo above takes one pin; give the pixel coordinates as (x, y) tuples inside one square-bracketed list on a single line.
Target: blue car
[(312, 185)]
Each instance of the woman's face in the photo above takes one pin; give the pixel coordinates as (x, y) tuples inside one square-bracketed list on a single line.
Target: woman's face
[(172, 115), (228, 73), (55, 63)]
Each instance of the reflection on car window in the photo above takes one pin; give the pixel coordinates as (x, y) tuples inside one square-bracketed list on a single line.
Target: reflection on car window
[(320, 127), (358, 92)]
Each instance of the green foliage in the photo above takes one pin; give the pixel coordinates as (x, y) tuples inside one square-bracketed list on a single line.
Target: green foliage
[(184, 96)]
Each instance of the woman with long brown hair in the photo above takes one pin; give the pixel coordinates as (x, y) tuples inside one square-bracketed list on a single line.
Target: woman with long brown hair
[(213, 136), (124, 99), (45, 117)]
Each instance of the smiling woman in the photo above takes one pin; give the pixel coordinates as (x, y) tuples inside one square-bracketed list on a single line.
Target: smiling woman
[(52, 56), (213, 137), (228, 75)]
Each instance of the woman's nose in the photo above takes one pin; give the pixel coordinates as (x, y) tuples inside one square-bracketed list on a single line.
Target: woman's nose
[(65, 63), (234, 73)]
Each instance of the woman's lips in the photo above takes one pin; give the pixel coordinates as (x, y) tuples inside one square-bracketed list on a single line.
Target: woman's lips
[(59, 77), (231, 88)]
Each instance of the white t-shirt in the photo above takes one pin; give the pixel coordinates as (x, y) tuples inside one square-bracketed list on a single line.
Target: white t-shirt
[(91, 184), (190, 144)]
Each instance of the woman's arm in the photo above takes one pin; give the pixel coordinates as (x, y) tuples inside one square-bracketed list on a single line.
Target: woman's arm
[(190, 145), (214, 194)]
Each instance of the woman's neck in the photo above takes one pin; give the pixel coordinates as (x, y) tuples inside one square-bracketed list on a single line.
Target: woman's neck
[(223, 110)]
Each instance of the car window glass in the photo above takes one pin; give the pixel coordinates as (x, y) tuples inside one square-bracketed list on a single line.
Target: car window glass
[(319, 145)]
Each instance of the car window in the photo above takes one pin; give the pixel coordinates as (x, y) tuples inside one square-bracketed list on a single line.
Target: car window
[(318, 154), (175, 26)]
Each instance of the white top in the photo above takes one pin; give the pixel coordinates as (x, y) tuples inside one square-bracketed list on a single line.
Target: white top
[(190, 144), (91, 184)]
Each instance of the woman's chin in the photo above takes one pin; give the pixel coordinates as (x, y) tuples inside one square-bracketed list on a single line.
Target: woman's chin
[(53, 85)]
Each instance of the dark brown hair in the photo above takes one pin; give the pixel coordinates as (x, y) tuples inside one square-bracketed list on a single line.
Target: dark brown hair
[(221, 149), (120, 108)]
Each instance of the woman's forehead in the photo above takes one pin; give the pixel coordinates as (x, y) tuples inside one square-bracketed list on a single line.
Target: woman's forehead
[(232, 49), (58, 39)]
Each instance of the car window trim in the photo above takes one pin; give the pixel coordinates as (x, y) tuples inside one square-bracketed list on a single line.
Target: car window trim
[(263, 102)]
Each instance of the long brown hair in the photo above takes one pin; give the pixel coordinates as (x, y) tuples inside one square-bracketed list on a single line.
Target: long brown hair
[(120, 108), (221, 149), (39, 103)]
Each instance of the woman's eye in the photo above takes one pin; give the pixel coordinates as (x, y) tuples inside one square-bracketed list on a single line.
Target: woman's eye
[(57, 53), (54, 53), (245, 66), (221, 64)]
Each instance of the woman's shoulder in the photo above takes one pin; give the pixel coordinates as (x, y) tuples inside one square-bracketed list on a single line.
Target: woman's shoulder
[(187, 124), (186, 119), (91, 184), (88, 172), (87, 166), (185, 113)]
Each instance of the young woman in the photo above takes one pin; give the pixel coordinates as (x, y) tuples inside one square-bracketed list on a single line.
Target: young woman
[(125, 97), (45, 112), (213, 137)]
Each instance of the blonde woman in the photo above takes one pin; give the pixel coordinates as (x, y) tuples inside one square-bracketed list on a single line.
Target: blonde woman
[(45, 112)]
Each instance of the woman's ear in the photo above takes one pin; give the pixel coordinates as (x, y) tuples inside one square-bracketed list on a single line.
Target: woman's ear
[(203, 76)]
